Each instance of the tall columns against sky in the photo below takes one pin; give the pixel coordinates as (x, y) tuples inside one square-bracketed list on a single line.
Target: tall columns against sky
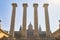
[(14, 5), (24, 19), (47, 19), (35, 20)]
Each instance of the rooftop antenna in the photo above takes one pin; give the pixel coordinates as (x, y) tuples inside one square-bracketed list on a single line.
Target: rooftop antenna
[(59, 24), (0, 24)]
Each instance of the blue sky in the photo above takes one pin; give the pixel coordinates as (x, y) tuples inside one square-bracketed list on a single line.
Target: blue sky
[(6, 11)]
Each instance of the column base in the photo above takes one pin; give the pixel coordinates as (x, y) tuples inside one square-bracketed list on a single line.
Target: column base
[(11, 38), (23, 38), (36, 38)]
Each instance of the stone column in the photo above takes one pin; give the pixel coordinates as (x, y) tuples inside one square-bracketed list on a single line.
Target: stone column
[(14, 5), (35, 20), (47, 19), (24, 34)]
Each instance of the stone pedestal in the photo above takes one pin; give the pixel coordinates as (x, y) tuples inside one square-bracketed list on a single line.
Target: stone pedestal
[(11, 38), (23, 38), (37, 38)]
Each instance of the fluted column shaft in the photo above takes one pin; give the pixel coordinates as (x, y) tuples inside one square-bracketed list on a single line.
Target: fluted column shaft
[(24, 19), (14, 5), (35, 20), (47, 19)]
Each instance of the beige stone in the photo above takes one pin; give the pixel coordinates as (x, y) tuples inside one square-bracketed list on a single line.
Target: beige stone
[(47, 19), (14, 5), (24, 20), (3, 33), (35, 5)]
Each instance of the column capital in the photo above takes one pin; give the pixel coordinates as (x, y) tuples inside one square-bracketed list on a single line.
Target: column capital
[(25, 5), (35, 5), (46, 5), (14, 4)]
